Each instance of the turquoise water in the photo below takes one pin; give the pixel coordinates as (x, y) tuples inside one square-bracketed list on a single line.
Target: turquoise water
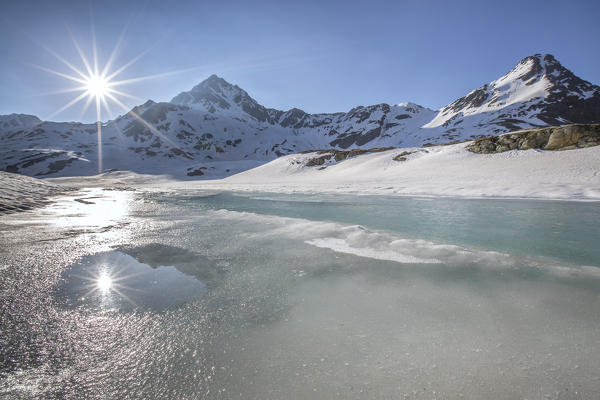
[(567, 231)]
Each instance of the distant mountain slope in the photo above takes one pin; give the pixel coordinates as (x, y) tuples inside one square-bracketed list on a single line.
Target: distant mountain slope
[(216, 129), (14, 122), (449, 170), (539, 91)]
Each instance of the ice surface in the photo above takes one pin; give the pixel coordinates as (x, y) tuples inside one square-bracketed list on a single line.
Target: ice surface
[(282, 318), (18, 192)]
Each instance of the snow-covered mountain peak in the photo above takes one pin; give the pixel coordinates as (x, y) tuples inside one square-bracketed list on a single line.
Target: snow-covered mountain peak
[(538, 65), (216, 95), (532, 69), (532, 93), (412, 107), (216, 128), (408, 104), (210, 91)]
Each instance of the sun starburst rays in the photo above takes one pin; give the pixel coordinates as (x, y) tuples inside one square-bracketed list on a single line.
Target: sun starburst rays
[(97, 84), (108, 281)]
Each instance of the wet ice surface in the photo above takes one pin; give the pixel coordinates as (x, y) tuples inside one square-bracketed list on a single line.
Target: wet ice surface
[(270, 297)]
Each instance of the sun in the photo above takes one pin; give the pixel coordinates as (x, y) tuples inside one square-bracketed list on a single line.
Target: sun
[(97, 86)]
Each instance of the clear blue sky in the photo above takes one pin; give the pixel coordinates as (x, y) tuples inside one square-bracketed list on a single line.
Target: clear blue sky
[(320, 56)]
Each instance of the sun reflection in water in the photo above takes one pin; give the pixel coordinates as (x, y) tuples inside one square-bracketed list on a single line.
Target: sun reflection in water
[(108, 283), (104, 283), (115, 281), (90, 208)]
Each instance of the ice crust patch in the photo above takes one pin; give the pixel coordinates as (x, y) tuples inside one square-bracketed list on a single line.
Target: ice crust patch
[(342, 246), (392, 246)]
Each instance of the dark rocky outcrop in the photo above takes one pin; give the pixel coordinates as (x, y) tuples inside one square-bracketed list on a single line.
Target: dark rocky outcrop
[(402, 156), (318, 160), (181, 153), (195, 172), (340, 155), (57, 166), (570, 98), (294, 118), (564, 137)]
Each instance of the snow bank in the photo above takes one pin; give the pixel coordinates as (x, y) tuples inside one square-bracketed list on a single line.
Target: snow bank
[(434, 171), (18, 192)]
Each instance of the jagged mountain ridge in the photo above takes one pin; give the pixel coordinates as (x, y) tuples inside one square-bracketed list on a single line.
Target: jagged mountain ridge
[(217, 128), (539, 91)]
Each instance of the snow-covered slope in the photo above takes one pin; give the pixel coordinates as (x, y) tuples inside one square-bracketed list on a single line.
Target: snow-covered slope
[(14, 122), (439, 171), (539, 91), (19, 193), (216, 129)]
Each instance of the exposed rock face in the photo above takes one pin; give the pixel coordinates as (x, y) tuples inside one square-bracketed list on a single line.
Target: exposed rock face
[(564, 137), (340, 155), (402, 156), (538, 92), (570, 98)]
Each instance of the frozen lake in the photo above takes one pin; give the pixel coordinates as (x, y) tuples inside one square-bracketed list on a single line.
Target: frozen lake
[(193, 295)]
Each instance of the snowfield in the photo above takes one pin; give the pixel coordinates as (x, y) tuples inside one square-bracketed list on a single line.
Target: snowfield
[(434, 171)]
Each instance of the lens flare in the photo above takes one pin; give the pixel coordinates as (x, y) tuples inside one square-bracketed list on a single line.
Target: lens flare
[(104, 283), (98, 85)]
